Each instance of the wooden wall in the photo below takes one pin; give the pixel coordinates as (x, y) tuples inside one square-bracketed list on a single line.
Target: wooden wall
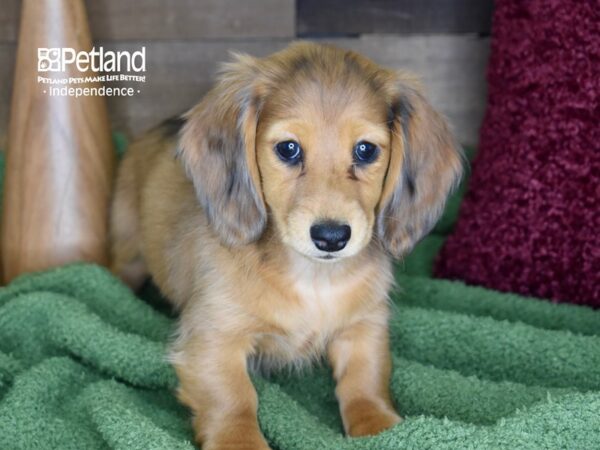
[(445, 42)]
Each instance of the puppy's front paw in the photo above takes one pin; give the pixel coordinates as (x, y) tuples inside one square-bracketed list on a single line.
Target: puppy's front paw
[(236, 437), (365, 417), (237, 443)]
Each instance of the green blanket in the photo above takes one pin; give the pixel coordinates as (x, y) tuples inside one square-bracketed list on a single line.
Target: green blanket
[(82, 366)]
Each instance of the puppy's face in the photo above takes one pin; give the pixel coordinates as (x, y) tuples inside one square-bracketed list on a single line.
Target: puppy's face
[(329, 148), (323, 149)]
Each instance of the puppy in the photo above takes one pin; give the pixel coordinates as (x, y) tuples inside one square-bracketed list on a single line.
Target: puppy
[(268, 215)]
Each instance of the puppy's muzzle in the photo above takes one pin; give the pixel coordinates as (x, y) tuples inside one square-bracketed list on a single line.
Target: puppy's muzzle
[(330, 236)]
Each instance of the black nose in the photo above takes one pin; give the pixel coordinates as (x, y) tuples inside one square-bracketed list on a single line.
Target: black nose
[(330, 236)]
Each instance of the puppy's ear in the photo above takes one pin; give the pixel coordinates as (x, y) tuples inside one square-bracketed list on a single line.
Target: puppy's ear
[(217, 148), (424, 167)]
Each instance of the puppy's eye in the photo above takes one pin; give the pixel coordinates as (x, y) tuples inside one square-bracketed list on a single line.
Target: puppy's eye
[(365, 152), (289, 152)]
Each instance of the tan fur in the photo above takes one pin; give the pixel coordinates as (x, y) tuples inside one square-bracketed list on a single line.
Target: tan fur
[(222, 225)]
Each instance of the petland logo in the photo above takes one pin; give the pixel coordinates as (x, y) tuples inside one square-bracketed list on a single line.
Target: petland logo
[(96, 60), (98, 68)]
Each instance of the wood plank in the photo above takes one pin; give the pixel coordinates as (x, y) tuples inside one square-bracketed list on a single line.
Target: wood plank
[(179, 73), (343, 17), (9, 20), (174, 19), (7, 66)]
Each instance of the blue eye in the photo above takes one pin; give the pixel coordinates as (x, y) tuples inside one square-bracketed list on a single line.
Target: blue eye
[(289, 152), (365, 152)]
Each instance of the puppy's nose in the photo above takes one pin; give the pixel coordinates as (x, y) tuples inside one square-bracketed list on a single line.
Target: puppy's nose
[(330, 236)]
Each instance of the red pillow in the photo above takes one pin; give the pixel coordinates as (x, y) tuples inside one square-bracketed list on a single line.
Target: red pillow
[(531, 220)]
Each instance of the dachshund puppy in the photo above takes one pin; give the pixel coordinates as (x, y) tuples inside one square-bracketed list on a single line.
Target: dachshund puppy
[(268, 215)]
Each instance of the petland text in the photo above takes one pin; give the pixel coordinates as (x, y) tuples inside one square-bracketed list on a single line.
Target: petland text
[(96, 60)]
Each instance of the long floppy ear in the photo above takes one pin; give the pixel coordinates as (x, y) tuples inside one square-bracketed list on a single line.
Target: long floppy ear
[(217, 148), (425, 165)]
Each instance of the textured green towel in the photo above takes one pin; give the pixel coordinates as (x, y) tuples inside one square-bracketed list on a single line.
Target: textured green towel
[(82, 365)]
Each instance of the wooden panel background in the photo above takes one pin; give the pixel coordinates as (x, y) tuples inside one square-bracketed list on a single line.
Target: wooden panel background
[(343, 17), (186, 39), (174, 19)]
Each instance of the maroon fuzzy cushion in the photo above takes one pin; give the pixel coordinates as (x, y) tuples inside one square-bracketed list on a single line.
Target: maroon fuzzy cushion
[(531, 220)]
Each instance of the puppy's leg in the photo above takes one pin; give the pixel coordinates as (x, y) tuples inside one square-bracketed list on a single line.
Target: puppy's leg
[(126, 258), (361, 364), (214, 383)]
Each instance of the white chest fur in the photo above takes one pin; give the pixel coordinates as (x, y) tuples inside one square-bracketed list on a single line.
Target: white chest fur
[(320, 289), (314, 308)]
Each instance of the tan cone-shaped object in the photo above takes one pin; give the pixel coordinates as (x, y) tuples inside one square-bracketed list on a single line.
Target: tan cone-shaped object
[(60, 158)]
